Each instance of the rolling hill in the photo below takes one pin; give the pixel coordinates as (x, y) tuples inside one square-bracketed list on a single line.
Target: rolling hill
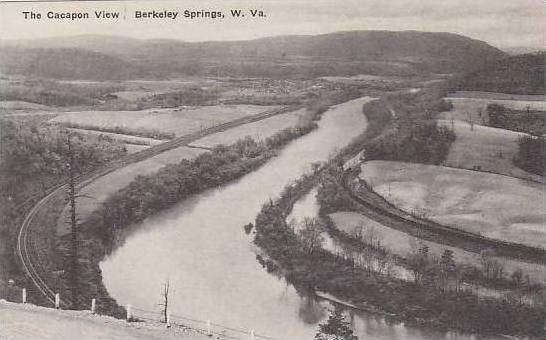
[(65, 63), (343, 53), (521, 74)]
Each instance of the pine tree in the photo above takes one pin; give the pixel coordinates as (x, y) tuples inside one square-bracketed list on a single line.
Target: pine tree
[(335, 328)]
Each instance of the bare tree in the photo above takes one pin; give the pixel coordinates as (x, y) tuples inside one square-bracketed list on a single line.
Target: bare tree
[(470, 119), (165, 303), (447, 268), (358, 232), (310, 235), (491, 267), (418, 262), (373, 237)]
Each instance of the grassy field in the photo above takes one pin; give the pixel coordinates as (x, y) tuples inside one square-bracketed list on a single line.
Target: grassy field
[(475, 108), (133, 95), (496, 95), (132, 148), (128, 139), (17, 105), (490, 148), (94, 194), (257, 130), (403, 244), (494, 206), (180, 121)]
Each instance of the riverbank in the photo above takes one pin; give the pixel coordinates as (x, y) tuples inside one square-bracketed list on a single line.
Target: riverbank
[(107, 227), (408, 302), (414, 303)]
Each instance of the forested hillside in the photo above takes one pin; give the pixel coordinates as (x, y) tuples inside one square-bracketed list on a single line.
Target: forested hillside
[(521, 74), (358, 52)]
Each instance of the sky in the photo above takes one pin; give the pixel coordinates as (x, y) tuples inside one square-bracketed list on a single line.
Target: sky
[(506, 24)]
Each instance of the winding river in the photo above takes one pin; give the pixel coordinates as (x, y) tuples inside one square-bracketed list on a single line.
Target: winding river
[(200, 247)]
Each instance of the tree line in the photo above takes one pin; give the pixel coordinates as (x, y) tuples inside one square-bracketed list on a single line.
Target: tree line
[(528, 121), (413, 134), (35, 157), (420, 301), (333, 198), (146, 195), (530, 155)]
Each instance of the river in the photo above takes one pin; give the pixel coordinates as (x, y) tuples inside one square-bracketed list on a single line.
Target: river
[(200, 247)]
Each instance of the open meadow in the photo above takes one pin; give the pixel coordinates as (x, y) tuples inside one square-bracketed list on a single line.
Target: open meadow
[(494, 206), (159, 122), (9, 106), (259, 130), (497, 95), (475, 109), (403, 244), (127, 139), (491, 149)]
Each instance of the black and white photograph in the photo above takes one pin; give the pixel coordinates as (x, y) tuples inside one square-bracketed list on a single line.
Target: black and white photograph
[(272, 170)]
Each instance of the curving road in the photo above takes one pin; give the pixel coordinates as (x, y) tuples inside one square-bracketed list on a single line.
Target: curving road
[(26, 251)]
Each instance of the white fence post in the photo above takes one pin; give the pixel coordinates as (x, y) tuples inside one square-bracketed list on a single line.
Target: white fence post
[(209, 332), (252, 336), (168, 324), (57, 300), (93, 305), (129, 312), (24, 297)]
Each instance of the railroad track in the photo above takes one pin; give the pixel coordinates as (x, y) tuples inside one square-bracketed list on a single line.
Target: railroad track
[(377, 208), (25, 247)]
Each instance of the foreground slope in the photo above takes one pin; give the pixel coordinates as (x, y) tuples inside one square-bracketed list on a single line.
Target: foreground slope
[(19, 321)]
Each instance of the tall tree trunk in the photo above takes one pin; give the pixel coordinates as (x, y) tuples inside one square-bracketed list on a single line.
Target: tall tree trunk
[(73, 223)]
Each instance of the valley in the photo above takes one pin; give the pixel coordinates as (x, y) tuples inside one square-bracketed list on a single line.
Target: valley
[(272, 181)]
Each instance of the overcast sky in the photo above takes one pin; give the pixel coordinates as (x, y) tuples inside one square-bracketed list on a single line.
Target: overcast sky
[(502, 23)]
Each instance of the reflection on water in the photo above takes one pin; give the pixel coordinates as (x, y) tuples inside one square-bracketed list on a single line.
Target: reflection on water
[(308, 207), (200, 246), (311, 311)]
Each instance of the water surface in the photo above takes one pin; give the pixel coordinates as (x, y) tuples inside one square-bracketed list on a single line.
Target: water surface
[(200, 247)]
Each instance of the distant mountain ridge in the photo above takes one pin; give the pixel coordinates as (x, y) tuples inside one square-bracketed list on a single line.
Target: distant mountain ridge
[(342, 53), (66, 63)]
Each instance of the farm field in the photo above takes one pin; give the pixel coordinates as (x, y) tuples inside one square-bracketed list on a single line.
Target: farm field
[(133, 95), (179, 121), (92, 195), (257, 130), (495, 206), (490, 148), (496, 95), (403, 244), (464, 108), (132, 148), (128, 139), (17, 105)]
